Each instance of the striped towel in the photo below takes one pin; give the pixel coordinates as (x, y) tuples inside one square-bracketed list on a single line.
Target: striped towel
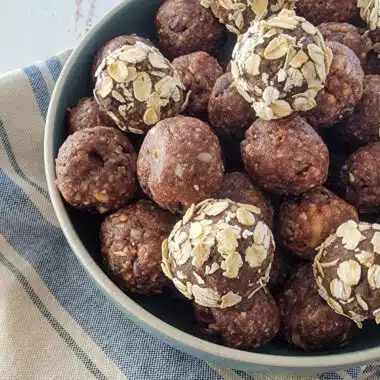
[(54, 322)]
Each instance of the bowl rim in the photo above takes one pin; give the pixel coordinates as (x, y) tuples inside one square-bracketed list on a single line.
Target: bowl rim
[(129, 307)]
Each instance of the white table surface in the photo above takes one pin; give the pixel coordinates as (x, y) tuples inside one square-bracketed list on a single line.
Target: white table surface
[(32, 30)]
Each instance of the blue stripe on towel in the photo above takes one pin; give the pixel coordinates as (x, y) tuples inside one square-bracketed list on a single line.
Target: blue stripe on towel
[(66, 337), (39, 87), (136, 353), (13, 160), (55, 67)]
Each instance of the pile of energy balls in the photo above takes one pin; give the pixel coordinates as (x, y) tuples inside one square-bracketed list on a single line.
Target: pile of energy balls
[(246, 182)]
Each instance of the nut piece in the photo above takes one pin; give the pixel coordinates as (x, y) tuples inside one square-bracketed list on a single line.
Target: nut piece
[(369, 12), (307, 321), (238, 15), (247, 325), (347, 271), (306, 221), (180, 163), (223, 249), (137, 86), (131, 240), (292, 68), (285, 156)]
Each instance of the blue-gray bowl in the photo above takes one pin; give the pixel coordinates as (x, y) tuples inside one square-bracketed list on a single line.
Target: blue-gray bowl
[(155, 314)]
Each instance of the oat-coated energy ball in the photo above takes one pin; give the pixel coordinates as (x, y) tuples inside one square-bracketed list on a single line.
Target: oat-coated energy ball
[(220, 254), (306, 320), (138, 86), (347, 271), (87, 114), (362, 126), (238, 187), (198, 72), (247, 326), (319, 11), (343, 88), (229, 113), (305, 222), (180, 163), (348, 35), (184, 27), (280, 64), (96, 169), (238, 15), (361, 179), (285, 156), (131, 241)]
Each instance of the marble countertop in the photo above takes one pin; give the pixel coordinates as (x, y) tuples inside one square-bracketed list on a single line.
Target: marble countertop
[(33, 30)]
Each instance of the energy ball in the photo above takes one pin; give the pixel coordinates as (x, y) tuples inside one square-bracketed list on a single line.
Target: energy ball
[(361, 179), (198, 72), (110, 47), (238, 15), (243, 327), (319, 11), (347, 271), (130, 241), (348, 35), (343, 88), (307, 321), (87, 114), (238, 187), (229, 113), (369, 12), (362, 126), (285, 156), (280, 64), (180, 163), (96, 169), (220, 254), (138, 86), (306, 221), (184, 27)]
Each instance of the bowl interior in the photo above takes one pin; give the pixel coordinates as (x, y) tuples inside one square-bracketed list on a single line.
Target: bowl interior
[(138, 17)]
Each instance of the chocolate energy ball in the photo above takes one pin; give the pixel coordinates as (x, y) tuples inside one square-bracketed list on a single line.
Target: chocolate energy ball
[(362, 126), (280, 64), (369, 12), (285, 156), (110, 47), (131, 241), (87, 114), (229, 113), (248, 326), (220, 254), (238, 187), (305, 222), (138, 86), (348, 35), (184, 27), (198, 72), (343, 88), (306, 320), (361, 179), (319, 11), (347, 271), (238, 15), (282, 266), (96, 169), (180, 163)]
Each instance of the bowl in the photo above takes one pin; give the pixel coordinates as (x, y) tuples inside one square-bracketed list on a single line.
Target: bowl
[(154, 314)]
